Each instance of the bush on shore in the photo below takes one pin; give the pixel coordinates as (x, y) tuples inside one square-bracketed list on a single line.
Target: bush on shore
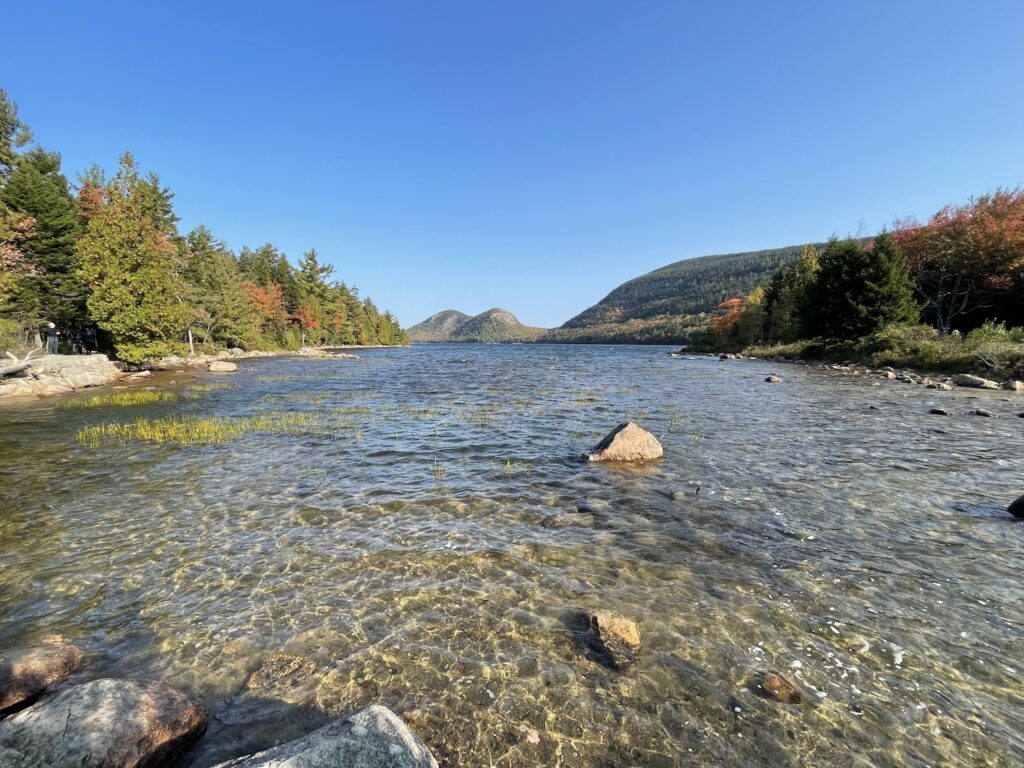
[(991, 349)]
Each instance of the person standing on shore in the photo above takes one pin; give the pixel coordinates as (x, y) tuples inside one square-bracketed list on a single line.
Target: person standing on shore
[(52, 335)]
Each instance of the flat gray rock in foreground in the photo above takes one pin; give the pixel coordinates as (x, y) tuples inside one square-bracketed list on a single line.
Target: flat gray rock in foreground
[(374, 737), (106, 724)]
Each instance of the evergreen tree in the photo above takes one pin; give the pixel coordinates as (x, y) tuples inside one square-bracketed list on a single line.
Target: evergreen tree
[(258, 266), (37, 188), (860, 289), (314, 297), (132, 266), (786, 296), (210, 274), (13, 133)]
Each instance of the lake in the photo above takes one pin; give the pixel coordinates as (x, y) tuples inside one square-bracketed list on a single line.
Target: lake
[(426, 537)]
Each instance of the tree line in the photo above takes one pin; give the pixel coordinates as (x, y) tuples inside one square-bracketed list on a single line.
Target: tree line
[(959, 270), (106, 255)]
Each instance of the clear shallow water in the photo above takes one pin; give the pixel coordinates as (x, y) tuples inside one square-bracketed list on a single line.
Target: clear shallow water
[(430, 549)]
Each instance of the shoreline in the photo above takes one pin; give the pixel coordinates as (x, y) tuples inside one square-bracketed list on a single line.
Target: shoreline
[(49, 376), (937, 380)]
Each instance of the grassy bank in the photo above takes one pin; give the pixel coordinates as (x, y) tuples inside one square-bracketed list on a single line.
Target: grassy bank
[(992, 350)]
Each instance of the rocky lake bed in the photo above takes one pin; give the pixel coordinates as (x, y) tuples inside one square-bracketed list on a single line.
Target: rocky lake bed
[(409, 555)]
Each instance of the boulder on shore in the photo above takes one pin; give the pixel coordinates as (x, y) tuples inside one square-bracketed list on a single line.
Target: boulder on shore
[(106, 724), (627, 442), (374, 737), (969, 380), (222, 366), (1014, 386), (25, 672), (1017, 508)]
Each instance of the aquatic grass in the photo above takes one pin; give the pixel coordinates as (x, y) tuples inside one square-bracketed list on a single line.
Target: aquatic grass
[(194, 430), (142, 397), (305, 396), (122, 399), (202, 389), (277, 377)]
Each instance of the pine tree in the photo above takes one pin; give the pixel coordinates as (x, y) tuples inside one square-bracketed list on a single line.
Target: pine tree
[(859, 290), (786, 297), (314, 297), (37, 188), (210, 274), (130, 262), (13, 133)]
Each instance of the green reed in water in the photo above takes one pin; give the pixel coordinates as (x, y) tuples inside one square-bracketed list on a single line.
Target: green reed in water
[(195, 430), (141, 397), (138, 397)]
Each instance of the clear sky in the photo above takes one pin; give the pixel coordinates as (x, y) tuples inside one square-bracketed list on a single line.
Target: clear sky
[(529, 155)]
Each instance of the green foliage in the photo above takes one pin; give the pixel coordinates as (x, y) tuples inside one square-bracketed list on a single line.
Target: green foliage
[(133, 269), (52, 291), (992, 349), (13, 133), (859, 289), (786, 296), (114, 258)]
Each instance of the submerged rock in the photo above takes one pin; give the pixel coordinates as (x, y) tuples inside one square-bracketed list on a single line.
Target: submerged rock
[(773, 379), (969, 380), (939, 412), (107, 724), (983, 412), (774, 686), (25, 672), (374, 737), (627, 442), (1017, 508), (222, 366), (605, 638), (617, 626)]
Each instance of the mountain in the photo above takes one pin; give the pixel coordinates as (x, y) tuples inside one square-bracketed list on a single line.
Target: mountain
[(437, 327), (667, 304), (492, 326)]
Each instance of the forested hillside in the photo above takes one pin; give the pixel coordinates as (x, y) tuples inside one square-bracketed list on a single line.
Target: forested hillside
[(494, 326), (688, 287), (438, 327)]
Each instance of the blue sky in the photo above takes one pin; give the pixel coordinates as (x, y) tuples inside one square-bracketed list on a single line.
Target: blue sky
[(530, 155)]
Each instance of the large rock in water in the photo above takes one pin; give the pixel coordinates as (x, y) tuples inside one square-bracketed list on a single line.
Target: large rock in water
[(374, 737), (968, 380), (25, 672), (106, 724), (627, 442), (222, 366), (1017, 508)]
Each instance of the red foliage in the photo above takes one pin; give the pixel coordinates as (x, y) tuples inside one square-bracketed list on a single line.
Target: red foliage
[(966, 252), (91, 199), (725, 324), (306, 318)]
